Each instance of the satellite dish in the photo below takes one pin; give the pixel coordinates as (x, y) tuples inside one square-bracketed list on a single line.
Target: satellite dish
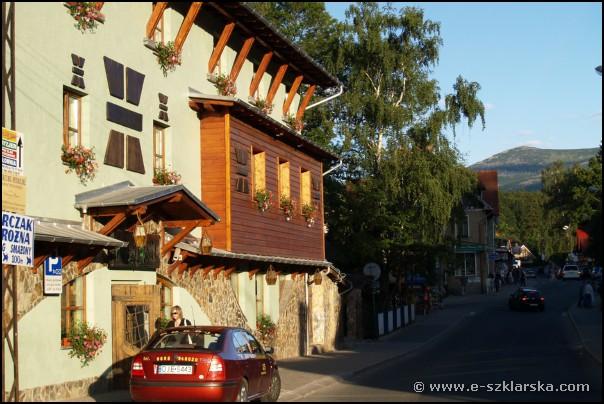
[(372, 269)]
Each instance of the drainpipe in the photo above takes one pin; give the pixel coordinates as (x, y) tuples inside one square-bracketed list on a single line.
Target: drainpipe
[(326, 99), (308, 317), (333, 168)]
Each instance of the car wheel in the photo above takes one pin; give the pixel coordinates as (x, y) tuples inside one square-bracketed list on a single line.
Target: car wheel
[(242, 395), (275, 390)]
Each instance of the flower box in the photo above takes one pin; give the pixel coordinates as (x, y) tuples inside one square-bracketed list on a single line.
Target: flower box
[(86, 14)]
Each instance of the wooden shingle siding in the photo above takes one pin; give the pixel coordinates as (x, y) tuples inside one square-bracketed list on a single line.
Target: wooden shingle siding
[(269, 233)]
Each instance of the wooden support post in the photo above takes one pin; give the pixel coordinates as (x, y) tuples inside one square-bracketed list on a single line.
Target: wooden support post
[(276, 83), (181, 235), (228, 272), (245, 50), (158, 12), (186, 25), (305, 101), (260, 72), (217, 271), (193, 270), (253, 272), (292, 92), (222, 42), (206, 271)]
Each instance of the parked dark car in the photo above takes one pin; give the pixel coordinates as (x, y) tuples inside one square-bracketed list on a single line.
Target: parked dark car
[(204, 363), (526, 298)]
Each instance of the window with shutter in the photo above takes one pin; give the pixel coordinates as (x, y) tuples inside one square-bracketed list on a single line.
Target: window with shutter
[(72, 119), (259, 171), (135, 156), (159, 148), (284, 187), (114, 154)]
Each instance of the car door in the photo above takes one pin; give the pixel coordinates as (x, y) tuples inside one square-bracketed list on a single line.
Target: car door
[(259, 364), (244, 350)]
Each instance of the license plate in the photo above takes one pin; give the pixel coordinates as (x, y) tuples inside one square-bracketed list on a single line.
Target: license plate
[(174, 370)]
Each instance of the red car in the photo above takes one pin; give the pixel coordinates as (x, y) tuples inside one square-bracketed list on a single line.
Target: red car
[(204, 363)]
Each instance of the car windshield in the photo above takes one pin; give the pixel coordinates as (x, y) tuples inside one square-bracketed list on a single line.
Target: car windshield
[(189, 340)]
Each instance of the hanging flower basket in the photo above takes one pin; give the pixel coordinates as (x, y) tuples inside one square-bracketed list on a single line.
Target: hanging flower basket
[(81, 160), (308, 210), (168, 57), (264, 199), (165, 177), (86, 341), (317, 278), (292, 122), (287, 206), (262, 105), (225, 85), (86, 14), (271, 276)]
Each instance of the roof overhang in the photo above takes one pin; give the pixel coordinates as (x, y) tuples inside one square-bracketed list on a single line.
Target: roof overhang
[(253, 24), (171, 202), (71, 232), (256, 118)]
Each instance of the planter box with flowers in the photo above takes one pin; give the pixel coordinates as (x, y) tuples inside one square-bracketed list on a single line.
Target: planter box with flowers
[(86, 14), (86, 342), (81, 160), (164, 177), (265, 330), (308, 210), (287, 207), (292, 122), (167, 57), (223, 83), (262, 105), (263, 199)]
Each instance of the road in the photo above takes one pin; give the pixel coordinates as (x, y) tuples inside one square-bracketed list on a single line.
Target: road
[(497, 350)]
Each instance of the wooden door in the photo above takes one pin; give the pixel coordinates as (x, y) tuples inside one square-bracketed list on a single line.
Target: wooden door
[(134, 311)]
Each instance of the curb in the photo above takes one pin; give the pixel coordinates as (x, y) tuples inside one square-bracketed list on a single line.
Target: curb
[(585, 347), (323, 382)]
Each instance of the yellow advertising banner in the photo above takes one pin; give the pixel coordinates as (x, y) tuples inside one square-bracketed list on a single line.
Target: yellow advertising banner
[(13, 192)]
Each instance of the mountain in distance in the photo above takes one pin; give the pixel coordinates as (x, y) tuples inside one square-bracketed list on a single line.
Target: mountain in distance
[(519, 169)]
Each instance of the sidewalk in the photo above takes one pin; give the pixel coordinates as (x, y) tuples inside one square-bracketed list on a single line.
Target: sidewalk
[(588, 323), (303, 376)]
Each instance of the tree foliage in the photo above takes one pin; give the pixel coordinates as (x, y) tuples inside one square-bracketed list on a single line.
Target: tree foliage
[(402, 177)]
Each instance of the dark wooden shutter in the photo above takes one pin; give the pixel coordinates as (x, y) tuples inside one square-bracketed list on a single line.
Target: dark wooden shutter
[(242, 185), (114, 155), (115, 77), (134, 86), (135, 156)]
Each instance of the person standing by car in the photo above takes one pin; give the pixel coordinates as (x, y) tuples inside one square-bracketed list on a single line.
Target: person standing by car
[(177, 318)]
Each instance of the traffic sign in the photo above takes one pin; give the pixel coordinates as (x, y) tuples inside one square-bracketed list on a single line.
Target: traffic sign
[(53, 276), (12, 151), (17, 239)]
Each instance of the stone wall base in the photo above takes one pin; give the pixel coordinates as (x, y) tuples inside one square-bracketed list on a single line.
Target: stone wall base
[(64, 391)]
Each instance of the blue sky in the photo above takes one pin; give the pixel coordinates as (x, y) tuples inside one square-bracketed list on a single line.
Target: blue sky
[(535, 63)]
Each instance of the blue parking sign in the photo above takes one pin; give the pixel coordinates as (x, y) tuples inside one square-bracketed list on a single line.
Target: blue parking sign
[(53, 276)]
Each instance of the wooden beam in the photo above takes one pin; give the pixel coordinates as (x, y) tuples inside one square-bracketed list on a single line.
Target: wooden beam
[(181, 235), (113, 223), (228, 272), (83, 263), (253, 272), (158, 12), (305, 101), (193, 269), (182, 267), (222, 42), (217, 271), (172, 267), (207, 270), (39, 260), (245, 50), (291, 94), (67, 259), (186, 25), (276, 83), (184, 223), (175, 199), (260, 72)]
